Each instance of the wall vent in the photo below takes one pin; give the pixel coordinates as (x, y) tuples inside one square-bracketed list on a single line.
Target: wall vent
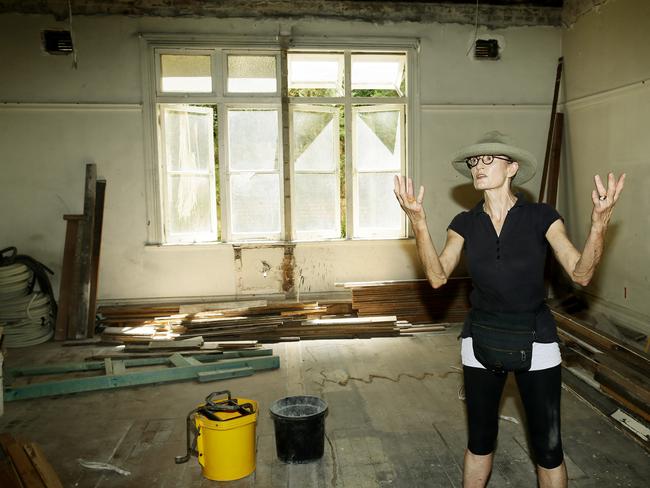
[(57, 42), (486, 49)]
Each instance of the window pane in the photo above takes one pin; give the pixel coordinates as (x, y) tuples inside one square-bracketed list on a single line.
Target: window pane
[(316, 206), (255, 204), (377, 140), (315, 140), (313, 74), (378, 213), (189, 206), (251, 74), (378, 75), (253, 140), (186, 73), (188, 137)]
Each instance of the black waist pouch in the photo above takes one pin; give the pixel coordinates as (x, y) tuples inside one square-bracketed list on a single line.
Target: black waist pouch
[(503, 341)]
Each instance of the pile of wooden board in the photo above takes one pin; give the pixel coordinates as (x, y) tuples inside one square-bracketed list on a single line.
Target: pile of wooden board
[(608, 365), (23, 465), (263, 321), (414, 301)]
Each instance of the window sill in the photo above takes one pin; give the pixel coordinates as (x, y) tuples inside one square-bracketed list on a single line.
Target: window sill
[(272, 244)]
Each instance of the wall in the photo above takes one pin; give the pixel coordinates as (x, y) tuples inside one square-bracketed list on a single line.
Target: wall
[(54, 119), (607, 86)]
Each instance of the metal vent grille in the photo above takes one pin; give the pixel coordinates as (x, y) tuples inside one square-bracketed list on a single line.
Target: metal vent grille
[(57, 42), (486, 49)]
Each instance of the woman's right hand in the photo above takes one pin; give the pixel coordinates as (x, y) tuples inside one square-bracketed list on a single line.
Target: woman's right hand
[(411, 204)]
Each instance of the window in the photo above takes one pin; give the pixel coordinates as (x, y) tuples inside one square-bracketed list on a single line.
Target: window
[(228, 171)]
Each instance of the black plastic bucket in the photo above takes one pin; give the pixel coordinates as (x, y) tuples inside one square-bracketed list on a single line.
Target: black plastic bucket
[(299, 428)]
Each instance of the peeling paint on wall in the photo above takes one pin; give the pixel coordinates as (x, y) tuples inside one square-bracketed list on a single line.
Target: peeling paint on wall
[(288, 270)]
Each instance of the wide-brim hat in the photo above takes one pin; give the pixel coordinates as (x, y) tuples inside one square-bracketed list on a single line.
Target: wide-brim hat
[(496, 144)]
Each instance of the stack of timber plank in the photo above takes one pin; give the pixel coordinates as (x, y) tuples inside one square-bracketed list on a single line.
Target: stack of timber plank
[(600, 360), (270, 322), (23, 465), (414, 301)]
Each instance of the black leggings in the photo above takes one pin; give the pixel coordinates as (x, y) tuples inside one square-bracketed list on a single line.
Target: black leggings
[(540, 394)]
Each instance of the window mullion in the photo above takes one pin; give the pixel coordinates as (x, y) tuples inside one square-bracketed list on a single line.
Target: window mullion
[(349, 175), (224, 174), (284, 137)]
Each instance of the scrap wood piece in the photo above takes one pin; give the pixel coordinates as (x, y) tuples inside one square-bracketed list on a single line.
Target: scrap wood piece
[(625, 397), (353, 321), (42, 465), (204, 307), (190, 343), (24, 467), (630, 357), (426, 328), (205, 376), (9, 477)]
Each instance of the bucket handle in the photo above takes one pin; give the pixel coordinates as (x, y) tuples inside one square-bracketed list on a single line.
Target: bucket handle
[(209, 400), (190, 444)]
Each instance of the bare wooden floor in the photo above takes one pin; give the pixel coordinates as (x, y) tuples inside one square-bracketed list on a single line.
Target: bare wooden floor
[(395, 420)]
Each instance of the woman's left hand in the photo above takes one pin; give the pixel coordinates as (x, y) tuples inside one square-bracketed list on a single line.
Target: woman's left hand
[(605, 198)]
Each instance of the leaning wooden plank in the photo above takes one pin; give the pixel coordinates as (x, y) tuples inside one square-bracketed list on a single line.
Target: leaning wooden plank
[(9, 477), (83, 257), (206, 376), (28, 475), (44, 468), (77, 385), (67, 276), (98, 221)]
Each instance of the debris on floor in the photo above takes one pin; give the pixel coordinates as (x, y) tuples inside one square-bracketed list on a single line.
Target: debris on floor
[(23, 464)]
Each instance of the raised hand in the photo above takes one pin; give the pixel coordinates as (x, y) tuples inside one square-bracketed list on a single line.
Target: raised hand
[(605, 198), (411, 204)]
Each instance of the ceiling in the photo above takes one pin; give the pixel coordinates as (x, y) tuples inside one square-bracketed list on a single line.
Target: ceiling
[(492, 13)]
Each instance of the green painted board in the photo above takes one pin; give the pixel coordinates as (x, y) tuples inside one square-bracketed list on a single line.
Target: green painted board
[(162, 375), (128, 363), (224, 374)]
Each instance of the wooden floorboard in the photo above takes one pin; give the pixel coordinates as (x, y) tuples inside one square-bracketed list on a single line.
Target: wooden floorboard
[(395, 420)]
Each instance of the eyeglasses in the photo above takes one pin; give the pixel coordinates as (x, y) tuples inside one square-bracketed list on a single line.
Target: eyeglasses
[(488, 159)]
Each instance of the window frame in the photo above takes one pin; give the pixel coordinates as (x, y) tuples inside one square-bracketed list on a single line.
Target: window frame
[(305, 235), (388, 107), (224, 174), (184, 238), (152, 44)]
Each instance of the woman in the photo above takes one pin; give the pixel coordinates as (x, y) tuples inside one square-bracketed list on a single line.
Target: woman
[(505, 240)]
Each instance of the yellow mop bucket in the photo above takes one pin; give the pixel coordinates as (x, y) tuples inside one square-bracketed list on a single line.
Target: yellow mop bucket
[(221, 433)]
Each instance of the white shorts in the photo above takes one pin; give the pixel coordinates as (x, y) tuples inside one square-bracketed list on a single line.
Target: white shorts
[(544, 355)]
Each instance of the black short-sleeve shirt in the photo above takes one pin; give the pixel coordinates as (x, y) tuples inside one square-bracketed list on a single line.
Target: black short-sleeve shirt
[(508, 270)]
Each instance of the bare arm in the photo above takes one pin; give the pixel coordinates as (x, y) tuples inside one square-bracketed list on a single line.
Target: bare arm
[(437, 268), (581, 266)]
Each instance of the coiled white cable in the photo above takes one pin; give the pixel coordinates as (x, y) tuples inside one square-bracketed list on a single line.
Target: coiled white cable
[(26, 317)]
